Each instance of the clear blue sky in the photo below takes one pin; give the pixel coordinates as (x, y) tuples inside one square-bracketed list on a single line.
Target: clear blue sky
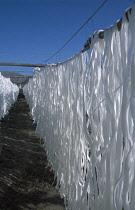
[(33, 30)]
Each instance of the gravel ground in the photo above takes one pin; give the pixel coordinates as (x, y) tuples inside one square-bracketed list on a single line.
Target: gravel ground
[(25, 180)]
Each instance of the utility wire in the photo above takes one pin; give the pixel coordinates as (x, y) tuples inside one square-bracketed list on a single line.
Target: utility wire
[(77, 31)]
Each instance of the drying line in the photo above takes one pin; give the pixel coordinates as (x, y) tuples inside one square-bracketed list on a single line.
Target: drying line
[(76, 31)]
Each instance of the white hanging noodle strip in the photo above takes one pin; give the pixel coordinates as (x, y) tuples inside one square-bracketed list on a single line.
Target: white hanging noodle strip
[(8, 95), (85, 114)]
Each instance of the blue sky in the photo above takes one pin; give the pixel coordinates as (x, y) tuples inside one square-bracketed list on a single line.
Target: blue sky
[(33, 30)]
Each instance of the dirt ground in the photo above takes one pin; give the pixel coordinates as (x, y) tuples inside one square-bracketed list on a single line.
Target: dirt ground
[(26, 183)]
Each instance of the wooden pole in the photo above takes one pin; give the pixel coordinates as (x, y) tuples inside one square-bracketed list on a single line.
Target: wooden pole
[(101, 34), (22, 64)]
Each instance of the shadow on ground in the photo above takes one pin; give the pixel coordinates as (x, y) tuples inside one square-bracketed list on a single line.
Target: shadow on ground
[(25, 180)]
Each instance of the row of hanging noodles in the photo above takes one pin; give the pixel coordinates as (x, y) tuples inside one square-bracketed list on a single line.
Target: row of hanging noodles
[(85, 114)]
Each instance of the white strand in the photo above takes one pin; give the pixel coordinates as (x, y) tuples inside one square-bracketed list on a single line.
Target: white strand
[(8, 95), (84, 109)]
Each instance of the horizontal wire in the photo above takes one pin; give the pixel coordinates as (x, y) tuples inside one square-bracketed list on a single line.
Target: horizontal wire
[(77, 31)]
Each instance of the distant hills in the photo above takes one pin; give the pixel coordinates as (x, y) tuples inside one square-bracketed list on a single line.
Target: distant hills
[(15, 77)]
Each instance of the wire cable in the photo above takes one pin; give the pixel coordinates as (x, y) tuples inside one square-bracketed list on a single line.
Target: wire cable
[(77, 31)]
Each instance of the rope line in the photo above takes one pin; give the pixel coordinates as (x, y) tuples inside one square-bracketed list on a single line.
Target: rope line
[(77, 31)]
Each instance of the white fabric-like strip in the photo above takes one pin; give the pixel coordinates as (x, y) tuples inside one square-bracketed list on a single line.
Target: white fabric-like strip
[(85, 114)]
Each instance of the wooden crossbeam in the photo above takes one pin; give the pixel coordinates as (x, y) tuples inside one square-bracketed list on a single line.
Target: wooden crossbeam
[(22, 64), (101, 34)]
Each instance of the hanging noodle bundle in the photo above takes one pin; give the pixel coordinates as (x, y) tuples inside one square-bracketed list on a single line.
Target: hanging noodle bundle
[(85, 114)]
